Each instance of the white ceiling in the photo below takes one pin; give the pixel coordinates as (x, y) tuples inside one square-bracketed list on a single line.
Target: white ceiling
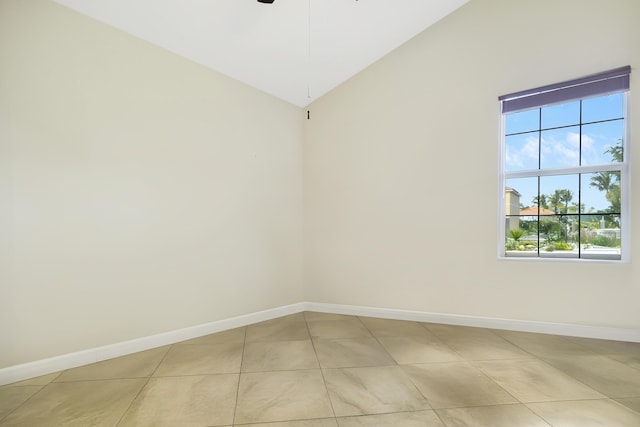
[(296, 50)]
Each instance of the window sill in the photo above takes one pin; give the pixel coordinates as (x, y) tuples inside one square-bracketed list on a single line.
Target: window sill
[(597, 255)]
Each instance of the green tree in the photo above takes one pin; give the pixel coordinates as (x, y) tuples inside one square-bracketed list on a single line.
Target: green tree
[(541, 201), (609, 182), (577, 209), (616, 152), (555, 202), (565, 196), (602, 181), (613, 196)]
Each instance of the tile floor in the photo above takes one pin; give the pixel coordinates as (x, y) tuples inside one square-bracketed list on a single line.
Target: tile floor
[(326, 370)]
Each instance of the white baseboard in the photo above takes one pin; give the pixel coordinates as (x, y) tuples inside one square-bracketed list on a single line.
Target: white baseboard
[(85, 357), (572, 330), (71, 360)]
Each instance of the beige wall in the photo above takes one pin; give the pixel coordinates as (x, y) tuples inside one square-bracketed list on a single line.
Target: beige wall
[(384, 152), (139, 192)]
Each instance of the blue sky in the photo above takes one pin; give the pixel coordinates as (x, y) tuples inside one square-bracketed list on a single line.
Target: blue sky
[(560, 148)]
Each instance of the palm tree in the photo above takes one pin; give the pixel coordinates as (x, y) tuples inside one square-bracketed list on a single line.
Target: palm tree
[(575, 208), (616, 151), (602, 181), (541, 201), (613, 196), (609, 182), (555, 202), (565, 197)]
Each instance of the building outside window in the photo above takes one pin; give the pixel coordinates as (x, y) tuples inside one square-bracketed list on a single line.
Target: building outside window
[(564, 168)]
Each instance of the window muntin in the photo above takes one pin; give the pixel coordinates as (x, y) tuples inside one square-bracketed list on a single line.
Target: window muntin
[(564, 178)]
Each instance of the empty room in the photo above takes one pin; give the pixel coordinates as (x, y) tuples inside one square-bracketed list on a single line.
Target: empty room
[(319, 213)]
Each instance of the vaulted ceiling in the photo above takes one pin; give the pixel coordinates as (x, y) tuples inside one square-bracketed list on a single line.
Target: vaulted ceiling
[(296, 50)]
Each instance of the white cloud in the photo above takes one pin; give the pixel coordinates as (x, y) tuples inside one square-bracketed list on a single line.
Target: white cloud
[(525, 157), (530, 149), (566, 154), (573, 139), (557, 150), (561, 150)]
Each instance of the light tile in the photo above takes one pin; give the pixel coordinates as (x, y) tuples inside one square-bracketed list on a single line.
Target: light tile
[(201, 360), (491, 416), (452, 385), (282, 396), (393, 328), (352, 352), (608, 376), (41, 380), (207, 400), (361, 391), (477, 343), (77, 404), (535, 381), (586, 413), (279, 356), (544, 345), (332, 329), (234, 336), (625, 352), (405, 419), (325, 422), (418, 349), (289, 328), (473, 376), (136, 365), (13, 396), (632, 403)]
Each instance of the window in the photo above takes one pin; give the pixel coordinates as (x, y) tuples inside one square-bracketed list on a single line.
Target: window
[(563, 178)]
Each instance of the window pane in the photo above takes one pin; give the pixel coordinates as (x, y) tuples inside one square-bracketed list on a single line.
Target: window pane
[(512, 224), (521, 193), (523, 121), (599, 222), (600, 192), (559, 235), (560, 148), (521, 235), (561, 193), (600, 235), (561, 115), (521, 152), (549, 230), (602, 143), (529, 227), (603, 108)]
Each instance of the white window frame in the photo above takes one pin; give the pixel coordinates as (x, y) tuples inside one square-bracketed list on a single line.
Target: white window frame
[(622, 167)]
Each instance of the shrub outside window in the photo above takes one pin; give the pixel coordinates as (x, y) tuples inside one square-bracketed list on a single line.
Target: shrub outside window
[(563, 178)]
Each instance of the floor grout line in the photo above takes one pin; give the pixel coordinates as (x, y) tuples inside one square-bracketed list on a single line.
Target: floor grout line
[(244, 345), (324, 380), (143, 386)]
